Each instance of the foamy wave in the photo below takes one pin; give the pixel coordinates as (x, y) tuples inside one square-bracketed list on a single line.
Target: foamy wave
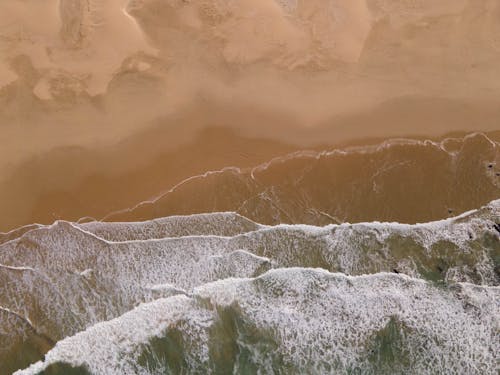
[(67, 277), (296, 320)]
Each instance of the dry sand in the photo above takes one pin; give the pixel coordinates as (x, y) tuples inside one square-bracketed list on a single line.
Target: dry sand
[(103, 103)]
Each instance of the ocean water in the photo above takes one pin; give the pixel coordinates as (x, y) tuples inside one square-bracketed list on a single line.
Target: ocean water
[(403, 180), (220, 293), (294, 320), (249, 187)]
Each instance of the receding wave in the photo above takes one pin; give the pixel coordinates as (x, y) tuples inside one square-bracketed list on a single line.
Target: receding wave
[(400, 180), (67, 277)]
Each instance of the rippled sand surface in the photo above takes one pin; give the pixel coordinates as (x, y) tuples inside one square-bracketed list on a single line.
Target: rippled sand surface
[(251, 186)]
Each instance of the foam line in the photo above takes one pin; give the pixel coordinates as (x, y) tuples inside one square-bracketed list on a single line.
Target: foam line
[(312, 316)]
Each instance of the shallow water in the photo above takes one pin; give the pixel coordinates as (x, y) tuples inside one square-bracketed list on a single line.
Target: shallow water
[(65, 278), (73, 290), (105, 94), (399, 180), (293, 321), (249, 187)]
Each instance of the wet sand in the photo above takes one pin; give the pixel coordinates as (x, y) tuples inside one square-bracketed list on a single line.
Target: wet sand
[(77, 182), (282, 111), (405, 181), (113, 102)]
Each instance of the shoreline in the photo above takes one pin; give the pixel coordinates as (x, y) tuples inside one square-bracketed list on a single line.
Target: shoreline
[(83, 183)]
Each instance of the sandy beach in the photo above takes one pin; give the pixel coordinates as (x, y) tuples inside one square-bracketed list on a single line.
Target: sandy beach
[(249, 187), (102, 90)]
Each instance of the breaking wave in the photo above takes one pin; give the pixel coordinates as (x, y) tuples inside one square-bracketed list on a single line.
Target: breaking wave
[(146, 297), (295, 320)]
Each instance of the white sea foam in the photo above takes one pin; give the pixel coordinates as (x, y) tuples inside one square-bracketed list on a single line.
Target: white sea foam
[(223, 224), (76, 278), (70, 265), (319, 322)]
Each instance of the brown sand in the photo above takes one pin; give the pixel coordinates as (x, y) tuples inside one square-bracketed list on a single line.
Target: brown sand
[(81, 81), (57, 191), (405, 181)]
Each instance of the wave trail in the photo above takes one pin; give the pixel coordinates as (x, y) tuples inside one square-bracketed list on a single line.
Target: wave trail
[(384, 182)]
